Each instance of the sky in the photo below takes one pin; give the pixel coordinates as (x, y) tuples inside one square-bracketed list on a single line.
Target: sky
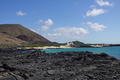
[(88, 21)]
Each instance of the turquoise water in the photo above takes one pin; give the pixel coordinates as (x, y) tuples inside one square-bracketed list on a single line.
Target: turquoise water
[(112, 51)]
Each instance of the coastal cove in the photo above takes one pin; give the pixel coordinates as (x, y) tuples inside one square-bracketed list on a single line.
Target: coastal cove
[(112, 51)]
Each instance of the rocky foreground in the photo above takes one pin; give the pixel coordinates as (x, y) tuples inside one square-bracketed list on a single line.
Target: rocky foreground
[(37, 65)]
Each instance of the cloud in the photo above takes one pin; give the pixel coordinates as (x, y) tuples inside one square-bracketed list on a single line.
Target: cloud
[(46, 25), (20, 13), (49, 22), (95, 12), (93, 6), (68, 33), (44, 28), (84, 16), (103, 3), (96, 26), (34, 31), (83, 23), (40, 21), (54, 35)]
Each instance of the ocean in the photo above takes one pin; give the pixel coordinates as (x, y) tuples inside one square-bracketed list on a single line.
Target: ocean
[(112, 51)]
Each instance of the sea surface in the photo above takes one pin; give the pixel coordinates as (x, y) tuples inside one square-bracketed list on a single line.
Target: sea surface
[(112, 51)]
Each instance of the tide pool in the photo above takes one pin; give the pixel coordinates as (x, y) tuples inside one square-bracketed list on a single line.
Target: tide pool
[(112, 51)]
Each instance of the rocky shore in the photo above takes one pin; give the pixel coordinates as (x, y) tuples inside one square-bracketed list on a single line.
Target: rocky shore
[(37, 65)]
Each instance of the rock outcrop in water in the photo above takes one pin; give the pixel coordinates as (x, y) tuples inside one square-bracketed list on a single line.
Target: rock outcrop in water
[(37, 65)]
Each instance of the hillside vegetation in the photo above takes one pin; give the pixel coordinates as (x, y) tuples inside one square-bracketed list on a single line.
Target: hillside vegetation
[(80, 44)]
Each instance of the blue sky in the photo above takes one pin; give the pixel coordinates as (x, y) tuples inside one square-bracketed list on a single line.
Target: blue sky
[(88, 21)]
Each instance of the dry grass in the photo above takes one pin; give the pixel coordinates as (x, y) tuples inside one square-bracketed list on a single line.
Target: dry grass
[(6, 39)]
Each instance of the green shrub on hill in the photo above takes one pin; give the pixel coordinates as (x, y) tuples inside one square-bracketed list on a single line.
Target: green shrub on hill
[(80, 44)]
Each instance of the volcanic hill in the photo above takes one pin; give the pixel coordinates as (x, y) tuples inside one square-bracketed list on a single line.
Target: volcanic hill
[(6, 39), (20, 32)]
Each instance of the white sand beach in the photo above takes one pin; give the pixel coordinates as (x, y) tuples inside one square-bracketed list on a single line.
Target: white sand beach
[(47, 47)]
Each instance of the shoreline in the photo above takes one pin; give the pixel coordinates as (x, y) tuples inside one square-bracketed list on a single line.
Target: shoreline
[(54, 47), (46, 47)]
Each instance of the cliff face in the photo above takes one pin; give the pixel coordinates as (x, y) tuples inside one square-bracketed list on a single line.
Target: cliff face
[(20, 32)]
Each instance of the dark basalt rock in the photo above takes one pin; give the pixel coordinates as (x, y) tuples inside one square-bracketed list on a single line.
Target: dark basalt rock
[(5, 33), (37, 65)]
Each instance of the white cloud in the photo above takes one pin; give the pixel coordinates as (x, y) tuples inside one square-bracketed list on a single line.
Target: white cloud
[(46, 25), (68, 33), (44, 28), (104, 3), (93, 6), (34, 31), (49, 22), (54, 35), (83, 23), (40, 21), (96, 26), (20, 13), (44, 35), (84, 16), (95, 12)]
